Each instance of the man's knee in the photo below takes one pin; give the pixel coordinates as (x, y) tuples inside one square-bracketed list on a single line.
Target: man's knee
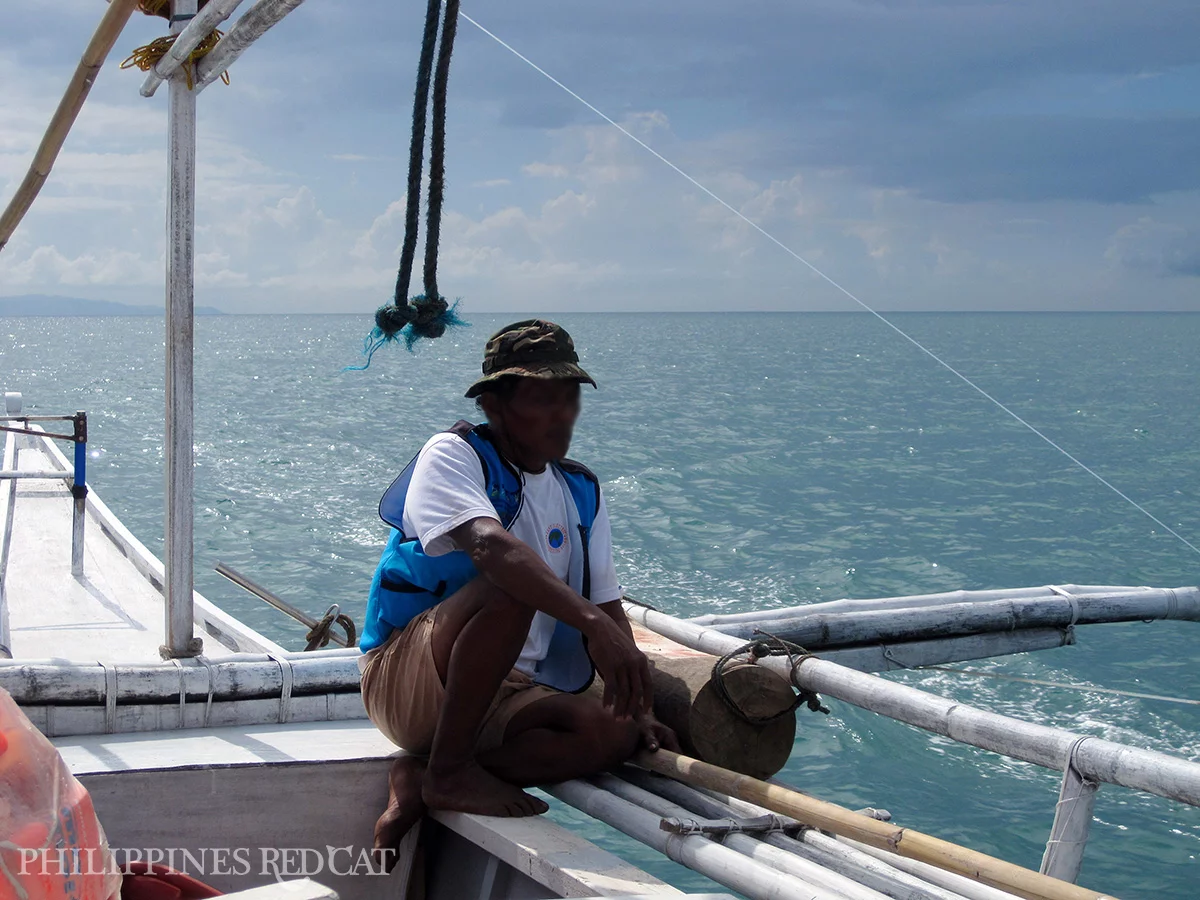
[(614, 740), (501, 621), (485, 596)]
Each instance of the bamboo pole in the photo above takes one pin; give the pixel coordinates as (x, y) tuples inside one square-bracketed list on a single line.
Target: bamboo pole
[(909, 601), (728, 867), (1072, 821), (883, 835), (912, 654), (1098, 759), (106, 34), (777, 859), (214, 13), (923, 873), (810, 843), (253, 24), (846, 629)]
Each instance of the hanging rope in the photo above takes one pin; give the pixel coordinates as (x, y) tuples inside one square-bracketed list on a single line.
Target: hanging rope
[(427, 315), (769, 645)]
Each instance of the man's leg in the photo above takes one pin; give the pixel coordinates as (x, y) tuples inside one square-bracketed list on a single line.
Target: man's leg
[(552, 739), (561, 737), (477, 637)]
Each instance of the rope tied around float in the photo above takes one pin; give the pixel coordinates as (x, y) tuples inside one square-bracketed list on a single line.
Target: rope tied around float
[(429, 314), (768, 645)]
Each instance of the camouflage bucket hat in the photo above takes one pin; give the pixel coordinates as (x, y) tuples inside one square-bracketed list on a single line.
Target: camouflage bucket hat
[(533, 348)]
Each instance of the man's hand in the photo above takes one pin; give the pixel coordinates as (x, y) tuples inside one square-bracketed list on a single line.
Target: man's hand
[(626, 673), (655, 734)]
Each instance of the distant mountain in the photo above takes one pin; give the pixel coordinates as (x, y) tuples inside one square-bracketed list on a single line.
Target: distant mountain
[(45, 305)]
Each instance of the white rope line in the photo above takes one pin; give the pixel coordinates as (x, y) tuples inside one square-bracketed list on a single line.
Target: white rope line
[(110, 696), (1074, 603), (209, 699), (182, 691), (1081, 688), (796, 256), (1074, 805), (285, 690)]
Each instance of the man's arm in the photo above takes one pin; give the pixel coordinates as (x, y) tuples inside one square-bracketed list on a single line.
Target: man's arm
[(654, 733), (515, 568)]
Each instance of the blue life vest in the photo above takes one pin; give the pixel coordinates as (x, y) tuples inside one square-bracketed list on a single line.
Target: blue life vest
[(408, 582)]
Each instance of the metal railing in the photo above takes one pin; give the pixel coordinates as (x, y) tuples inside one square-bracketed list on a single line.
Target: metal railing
[(76, 478)]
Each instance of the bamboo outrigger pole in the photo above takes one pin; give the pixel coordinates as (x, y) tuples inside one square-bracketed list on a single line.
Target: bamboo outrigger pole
[(883, 835), (107, 32)]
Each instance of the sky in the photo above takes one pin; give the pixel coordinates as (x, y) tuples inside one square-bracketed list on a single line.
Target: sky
[(922, 154)]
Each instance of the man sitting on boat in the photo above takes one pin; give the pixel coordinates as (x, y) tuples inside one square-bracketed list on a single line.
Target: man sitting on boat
[(494, 598)]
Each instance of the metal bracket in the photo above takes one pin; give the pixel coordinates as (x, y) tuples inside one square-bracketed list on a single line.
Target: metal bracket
[(719, 828)]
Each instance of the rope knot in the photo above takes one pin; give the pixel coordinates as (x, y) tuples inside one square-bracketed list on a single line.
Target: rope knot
[(390, 319), (430, 321), (319, 636)]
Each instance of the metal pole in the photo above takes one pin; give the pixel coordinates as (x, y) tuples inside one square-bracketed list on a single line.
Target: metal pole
[(79, 492), (181, 205)]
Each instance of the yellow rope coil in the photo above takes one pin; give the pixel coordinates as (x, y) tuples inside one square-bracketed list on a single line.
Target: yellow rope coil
[(147, 56)]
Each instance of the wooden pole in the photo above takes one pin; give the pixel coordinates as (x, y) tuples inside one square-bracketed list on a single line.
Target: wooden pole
[(181, 230), (106, 34), (883, 835)]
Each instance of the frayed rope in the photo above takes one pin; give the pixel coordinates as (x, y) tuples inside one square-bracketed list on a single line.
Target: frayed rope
[(422, 317)]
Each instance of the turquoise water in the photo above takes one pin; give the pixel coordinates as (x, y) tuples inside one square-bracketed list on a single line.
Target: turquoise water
[(750, 461)]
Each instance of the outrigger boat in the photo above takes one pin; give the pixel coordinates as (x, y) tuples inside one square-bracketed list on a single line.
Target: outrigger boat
[(249, 746), (201, 739)]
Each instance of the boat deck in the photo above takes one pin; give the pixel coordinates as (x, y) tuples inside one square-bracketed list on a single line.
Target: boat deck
[(114, 612), (320, 785)]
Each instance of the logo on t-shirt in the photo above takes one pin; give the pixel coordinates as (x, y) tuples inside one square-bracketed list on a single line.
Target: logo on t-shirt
[(556, 538)]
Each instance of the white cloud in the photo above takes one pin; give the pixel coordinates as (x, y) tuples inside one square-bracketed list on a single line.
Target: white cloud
[(545, 170)]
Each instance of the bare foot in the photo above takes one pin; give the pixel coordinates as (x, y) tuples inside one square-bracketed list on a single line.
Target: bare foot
[(405, 808), (472, 789)]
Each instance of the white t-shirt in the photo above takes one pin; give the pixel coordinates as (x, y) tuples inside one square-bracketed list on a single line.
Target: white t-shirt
[(448, 489)]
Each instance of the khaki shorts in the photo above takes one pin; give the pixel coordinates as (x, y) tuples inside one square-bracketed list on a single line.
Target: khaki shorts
[(403, 692)]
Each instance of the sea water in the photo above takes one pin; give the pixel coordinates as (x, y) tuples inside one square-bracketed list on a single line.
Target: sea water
[(750, 460)]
